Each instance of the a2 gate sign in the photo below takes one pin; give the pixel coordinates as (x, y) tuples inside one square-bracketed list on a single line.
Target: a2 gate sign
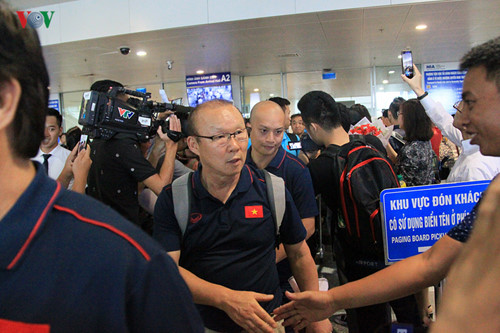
[(414, 218)]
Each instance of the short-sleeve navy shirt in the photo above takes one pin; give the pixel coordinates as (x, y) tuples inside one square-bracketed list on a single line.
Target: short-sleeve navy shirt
[(461, 231), (297, 180), (72, 264), (230, 244)]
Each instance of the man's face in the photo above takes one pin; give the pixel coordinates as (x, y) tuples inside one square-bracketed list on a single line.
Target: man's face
[(267, 123), (52, 132), (394, 121), (481, 111), (386, 121), (287, 117), (223, 157), (298, 125)]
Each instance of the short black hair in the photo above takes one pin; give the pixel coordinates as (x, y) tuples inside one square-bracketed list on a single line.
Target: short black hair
[(417, 124), (394, 107), (320, 108), (54, 113), (73, 137), (385, 113), (283, 102), (295, 116), (104, 85), (21, 59), (362, 111), (487, 55)]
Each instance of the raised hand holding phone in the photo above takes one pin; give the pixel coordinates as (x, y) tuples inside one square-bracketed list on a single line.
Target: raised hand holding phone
[(407, 63)]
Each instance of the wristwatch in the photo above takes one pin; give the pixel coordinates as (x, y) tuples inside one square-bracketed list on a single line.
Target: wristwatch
[(422, 96)]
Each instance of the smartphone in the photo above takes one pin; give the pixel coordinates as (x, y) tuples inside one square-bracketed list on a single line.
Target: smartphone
[(407, 63), (83, 142)]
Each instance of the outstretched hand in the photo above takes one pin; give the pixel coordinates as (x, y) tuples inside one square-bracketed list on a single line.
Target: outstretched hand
[(174, 124), (305, 308), (471, 300), (243, 308)]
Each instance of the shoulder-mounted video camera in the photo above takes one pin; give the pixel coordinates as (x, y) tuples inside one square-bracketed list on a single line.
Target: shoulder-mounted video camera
[(121, 110)]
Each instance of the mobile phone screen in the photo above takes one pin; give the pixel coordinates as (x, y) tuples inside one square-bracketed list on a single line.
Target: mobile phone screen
[(83, 142), (407, 64)]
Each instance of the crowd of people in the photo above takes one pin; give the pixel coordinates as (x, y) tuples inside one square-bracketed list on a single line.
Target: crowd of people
[(94, 239)]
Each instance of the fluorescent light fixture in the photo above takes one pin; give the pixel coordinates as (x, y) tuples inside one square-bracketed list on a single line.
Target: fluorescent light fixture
[(381, 88), (391, 72), (421, 27), (399, 56), (385, 81), (271, 95), (141, 53), (200, 71), (256, 90)]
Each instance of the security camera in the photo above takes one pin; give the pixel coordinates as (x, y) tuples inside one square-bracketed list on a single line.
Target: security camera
[(169, 64), (125, 50)]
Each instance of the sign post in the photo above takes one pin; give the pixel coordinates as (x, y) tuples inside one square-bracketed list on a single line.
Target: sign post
[(414, 218)]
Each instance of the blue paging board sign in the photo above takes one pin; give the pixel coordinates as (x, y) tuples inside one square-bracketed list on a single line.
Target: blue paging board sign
[(414, 218)]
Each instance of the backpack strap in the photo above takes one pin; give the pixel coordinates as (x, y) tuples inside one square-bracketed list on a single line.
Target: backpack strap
[(276, 195), (181, 194)]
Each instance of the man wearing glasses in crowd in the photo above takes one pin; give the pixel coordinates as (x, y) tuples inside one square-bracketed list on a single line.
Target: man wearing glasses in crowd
[(473, 301), (227, 252)]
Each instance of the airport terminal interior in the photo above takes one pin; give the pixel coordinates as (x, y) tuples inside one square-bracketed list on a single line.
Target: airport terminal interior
[(261, 49)]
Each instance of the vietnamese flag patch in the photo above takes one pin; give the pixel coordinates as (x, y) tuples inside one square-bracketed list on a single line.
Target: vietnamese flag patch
[(252, 212)]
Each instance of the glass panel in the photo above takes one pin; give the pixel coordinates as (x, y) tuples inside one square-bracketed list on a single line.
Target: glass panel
[(350, 86), (259, 88), (71, 102), (389, 85)]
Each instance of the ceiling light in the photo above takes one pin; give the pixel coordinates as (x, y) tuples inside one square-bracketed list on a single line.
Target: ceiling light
[(200, 71), (385, 81), (271, 95), (381, 88), (391, 72), (256, 89), (399, 56), (141, 53), (421, 27)]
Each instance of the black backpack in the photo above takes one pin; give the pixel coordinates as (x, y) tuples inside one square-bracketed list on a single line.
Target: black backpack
[(362, 173)]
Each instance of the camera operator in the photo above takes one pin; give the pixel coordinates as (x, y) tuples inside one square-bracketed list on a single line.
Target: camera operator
[(118, 165)]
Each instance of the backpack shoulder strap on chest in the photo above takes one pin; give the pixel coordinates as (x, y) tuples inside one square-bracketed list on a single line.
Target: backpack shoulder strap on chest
[(276, 194), (181, 194)]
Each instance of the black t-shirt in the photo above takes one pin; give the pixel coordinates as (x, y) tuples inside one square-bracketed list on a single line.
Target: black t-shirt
[(117, 167)]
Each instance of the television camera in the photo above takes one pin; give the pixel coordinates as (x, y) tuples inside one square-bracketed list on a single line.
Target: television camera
[(121, 110)]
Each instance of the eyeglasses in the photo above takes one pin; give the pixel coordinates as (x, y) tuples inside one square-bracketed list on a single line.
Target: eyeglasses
[(458, 106), (240, 135)]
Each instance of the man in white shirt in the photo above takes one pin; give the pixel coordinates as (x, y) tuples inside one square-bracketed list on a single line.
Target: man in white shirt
[(471, 164), (50, 154)]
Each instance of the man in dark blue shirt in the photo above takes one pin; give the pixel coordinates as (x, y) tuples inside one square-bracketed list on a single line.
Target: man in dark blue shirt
[(226, 254), (68, 263)]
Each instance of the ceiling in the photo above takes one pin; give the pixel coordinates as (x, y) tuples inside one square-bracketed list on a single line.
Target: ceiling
[(346, 41)]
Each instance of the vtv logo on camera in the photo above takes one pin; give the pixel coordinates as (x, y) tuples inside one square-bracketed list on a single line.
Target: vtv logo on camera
[(35, 19)]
